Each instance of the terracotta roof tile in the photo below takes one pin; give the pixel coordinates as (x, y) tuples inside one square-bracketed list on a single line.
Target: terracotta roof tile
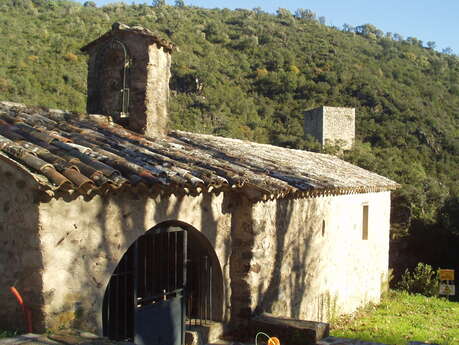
[(88, 154), (136, 29)]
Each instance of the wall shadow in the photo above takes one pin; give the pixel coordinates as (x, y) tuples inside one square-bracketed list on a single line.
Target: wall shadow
[(295, 261), (21, 259)]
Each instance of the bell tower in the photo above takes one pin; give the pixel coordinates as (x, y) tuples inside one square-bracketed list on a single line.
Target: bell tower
[(128, 78)]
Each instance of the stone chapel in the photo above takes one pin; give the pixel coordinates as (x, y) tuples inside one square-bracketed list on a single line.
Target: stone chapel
[(114, 224)]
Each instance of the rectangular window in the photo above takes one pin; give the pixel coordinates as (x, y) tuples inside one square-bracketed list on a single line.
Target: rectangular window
[(365, 223)]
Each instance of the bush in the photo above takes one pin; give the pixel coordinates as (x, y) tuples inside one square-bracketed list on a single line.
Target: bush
[(71, 57), (423, 280)]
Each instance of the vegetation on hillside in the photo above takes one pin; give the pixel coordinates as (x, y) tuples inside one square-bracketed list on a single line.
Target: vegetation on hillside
[(249, 74)]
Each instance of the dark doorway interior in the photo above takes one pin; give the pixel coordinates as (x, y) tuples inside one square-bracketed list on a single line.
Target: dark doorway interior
[(204, 282)]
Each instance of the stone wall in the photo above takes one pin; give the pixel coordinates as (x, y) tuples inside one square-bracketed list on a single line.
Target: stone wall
[(83, 241), (157, 91), (339, 127), (309, 260), (20, 256), (313, 124), (331, 126)]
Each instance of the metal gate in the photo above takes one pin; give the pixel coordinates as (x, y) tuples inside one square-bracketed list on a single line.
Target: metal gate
[(145, 298), (199, 291)]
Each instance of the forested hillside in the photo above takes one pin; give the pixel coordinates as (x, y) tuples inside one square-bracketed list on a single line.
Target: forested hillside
[(249, 74)]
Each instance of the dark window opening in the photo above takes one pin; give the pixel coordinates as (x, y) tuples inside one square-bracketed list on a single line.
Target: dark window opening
[(365, 223)]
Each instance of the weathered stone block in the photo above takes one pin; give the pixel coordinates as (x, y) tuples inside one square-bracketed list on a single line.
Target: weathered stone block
[(289, 331)]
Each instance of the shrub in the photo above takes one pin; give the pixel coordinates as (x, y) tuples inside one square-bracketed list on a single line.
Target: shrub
[(262, 72), (71, 57), (4, 84), (423, 280), (294, 69)]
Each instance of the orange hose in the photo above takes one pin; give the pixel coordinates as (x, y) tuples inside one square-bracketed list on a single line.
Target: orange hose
[(27, 312), (17, 295)]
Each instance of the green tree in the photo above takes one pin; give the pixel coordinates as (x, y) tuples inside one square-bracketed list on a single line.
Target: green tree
[(305, 14), (159, 3), (179, 3), (283, 13), (447, 50), (431, 44)]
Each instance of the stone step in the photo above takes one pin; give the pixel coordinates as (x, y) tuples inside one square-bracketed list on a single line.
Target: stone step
[(289, 331), (228, 342), (198, 334)]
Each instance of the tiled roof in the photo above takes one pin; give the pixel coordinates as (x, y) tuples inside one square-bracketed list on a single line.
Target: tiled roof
[(87, 154), (137, 29)]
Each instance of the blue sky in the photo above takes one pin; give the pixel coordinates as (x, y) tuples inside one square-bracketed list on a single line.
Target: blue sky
[(427, 20)]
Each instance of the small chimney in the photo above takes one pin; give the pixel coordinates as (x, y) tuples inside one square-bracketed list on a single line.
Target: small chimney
[(331, 126), (128, 78)]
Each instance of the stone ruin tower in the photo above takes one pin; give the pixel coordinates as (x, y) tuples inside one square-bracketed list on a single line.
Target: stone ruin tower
[(331, 126), (128, 78)]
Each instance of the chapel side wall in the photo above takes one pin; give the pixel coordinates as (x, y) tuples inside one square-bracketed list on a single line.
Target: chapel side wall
[(83, 241), (296, 272), (20, 257)]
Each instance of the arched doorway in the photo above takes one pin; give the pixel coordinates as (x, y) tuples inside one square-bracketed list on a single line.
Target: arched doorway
[(169, 277)]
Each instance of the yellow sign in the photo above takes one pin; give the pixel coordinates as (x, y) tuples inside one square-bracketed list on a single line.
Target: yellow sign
[(447, 290), (446, 274)]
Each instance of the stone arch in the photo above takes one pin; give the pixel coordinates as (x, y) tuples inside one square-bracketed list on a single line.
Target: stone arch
[(201, 302)]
